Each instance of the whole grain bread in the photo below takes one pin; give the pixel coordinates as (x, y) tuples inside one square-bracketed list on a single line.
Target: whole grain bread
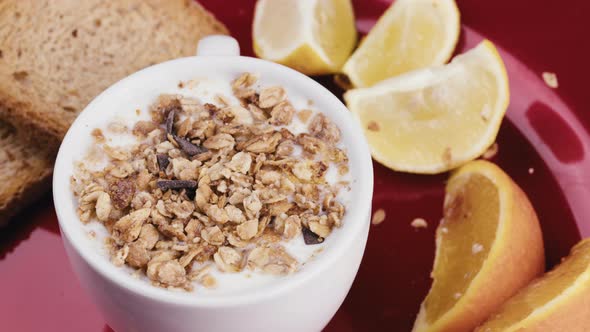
[(57, 55), (25, 172)]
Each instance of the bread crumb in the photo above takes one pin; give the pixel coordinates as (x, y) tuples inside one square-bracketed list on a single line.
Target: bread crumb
[(444, 230), (92, 234), (476, 248), (378, 217), (419, 223), (457, 295), (491, 152), (550, 79), (137, 112), (531, 170)]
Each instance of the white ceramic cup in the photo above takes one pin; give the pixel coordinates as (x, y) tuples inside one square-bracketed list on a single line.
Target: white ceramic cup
[(304, 301)]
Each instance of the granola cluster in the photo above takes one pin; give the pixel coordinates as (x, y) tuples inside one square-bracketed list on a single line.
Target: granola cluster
[(215, 183)]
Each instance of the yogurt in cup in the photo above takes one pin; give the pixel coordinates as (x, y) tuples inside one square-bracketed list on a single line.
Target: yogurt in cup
[(304, 301)]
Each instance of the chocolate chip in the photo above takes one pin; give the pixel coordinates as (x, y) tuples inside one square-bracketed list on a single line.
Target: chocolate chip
[(163, 161), (310, 237), (191, 193), (176, 184), (170, 121), (188, 147)]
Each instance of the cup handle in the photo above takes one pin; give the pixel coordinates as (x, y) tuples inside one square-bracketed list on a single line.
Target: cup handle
[(218, 45)]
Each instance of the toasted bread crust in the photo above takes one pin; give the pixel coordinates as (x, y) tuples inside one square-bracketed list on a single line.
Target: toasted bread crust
[(57, 55), (25, 171)]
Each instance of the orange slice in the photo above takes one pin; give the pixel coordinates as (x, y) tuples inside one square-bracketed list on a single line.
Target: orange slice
[(489, 245), (558, 301)]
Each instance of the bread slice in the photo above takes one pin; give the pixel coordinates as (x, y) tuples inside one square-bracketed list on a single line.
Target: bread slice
[(25, 172), (57, 55)]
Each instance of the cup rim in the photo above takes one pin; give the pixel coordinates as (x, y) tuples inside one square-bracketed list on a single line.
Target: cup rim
[(358, 153)]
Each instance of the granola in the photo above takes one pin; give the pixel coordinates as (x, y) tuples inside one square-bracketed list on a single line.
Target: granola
[(550, 79), (378, 217), (215, 185)]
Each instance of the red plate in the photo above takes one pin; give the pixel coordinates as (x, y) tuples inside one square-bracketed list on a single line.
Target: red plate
[(544, 146)]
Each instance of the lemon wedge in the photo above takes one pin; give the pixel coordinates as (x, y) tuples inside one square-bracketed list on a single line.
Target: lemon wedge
[(312, 36), (433, 120), (411, 34)]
